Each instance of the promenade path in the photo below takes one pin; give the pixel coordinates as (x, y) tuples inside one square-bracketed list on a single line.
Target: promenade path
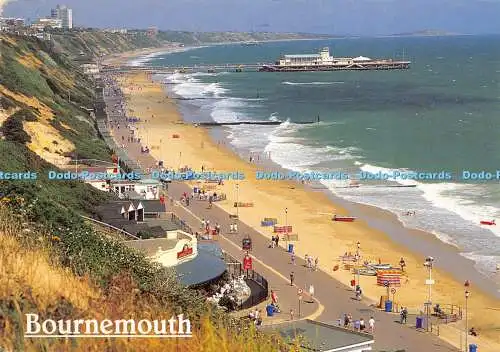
[(274, 264), (335, 297)]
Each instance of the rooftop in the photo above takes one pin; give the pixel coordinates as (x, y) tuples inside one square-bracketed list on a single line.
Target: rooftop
[(151, 246), (207, 266), (110, 213), (299, 56), (321, 337)]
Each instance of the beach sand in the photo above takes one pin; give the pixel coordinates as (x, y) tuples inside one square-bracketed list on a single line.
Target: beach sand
[(307, 213)]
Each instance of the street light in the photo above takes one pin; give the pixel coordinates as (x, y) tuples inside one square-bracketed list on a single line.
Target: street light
[(358, 257), (286, 226), (237, 197), (467, 294), (429, 282)]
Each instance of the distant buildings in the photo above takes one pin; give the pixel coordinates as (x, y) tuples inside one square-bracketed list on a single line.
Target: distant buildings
[(61, 17), (116, 30), (64, 14), (152, 32), (11, 24), (42, 23)]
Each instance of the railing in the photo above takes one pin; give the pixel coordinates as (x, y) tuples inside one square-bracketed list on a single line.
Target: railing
[(235, 269), (111, 227), (181, 223)]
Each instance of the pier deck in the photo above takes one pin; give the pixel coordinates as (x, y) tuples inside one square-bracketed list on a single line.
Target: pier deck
[(252, 67)]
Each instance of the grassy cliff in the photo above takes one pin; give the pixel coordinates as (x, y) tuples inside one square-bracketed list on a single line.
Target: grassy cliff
[(100, 42), (51, 262)]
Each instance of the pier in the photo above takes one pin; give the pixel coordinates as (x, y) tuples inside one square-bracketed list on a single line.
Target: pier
[(376, 65)]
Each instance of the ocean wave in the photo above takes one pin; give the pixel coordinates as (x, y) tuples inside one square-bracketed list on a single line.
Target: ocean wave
[(484, 263), (274, 117), (143, 59), (226, 110), (290, 152), (190, 87), (315, 83), (457, 198)]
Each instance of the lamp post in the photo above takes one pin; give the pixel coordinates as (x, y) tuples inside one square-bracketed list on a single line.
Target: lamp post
[(286, 226), (429, 282), (237, 199), (358, 257), (467, 294)]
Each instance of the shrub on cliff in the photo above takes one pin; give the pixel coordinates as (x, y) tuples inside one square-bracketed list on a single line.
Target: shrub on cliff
[(12, 130)]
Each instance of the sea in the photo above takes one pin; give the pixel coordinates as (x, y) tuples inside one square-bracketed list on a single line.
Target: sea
[(435, 126)]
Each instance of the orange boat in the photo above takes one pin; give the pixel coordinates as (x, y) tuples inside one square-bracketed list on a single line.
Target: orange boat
[(343, 218), (486, 222)]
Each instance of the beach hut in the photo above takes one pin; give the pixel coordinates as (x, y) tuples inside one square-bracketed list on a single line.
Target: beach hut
[(389, 277), (131, 212), (140, 212)]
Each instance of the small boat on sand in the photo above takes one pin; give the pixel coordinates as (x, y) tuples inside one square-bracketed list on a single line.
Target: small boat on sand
[(487, 222), (367, 272), (379, 266), (343, 218)]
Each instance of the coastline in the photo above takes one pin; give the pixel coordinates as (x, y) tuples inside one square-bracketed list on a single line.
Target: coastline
[(303, 205), (420, 242)]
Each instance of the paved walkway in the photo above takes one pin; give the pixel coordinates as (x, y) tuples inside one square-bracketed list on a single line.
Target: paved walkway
[(287, 294), (336, 298), (274, 264)]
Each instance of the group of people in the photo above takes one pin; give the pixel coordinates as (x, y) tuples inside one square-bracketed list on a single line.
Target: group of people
[(233, 228), (205, 225), (359, 325), (310, 264), (256, 316), (274, 241)]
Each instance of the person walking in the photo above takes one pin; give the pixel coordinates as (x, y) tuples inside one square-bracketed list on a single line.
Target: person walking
[(403, 315), (358, 292), (316, 261), (371, 324), (402, 264), (292, 257), (346, 321), (362, 325), (311, 292), (292, 278), (274, 297)]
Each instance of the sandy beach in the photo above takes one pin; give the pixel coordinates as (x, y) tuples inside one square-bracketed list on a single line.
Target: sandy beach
[(307, 212)]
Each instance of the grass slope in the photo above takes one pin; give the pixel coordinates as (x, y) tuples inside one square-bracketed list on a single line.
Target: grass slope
[(51, 262)]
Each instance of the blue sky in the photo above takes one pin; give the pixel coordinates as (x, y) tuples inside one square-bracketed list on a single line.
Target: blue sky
[(357, 17)]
